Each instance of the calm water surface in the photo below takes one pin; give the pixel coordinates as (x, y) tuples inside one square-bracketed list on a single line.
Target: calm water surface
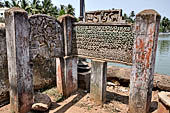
[(162, 65)]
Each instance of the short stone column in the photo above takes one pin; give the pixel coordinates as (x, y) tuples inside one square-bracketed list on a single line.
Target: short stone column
[(164, 102), (66, 75), (20, 76), (67, 66), (98, 81), (83, 74), (145, 45)]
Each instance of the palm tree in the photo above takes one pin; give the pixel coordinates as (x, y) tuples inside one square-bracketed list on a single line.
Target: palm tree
[(15, 3), (132, 14), (34, 7), (70, 10), (66, 10), (7, 4), (62, 10), (24, 4), (54, 12), (164, 25), (46, 7), (1, 4)]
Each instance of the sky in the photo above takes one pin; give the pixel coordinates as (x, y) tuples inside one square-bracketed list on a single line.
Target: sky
[(161, 6)]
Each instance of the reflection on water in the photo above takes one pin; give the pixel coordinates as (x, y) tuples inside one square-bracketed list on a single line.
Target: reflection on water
[(162, 65)]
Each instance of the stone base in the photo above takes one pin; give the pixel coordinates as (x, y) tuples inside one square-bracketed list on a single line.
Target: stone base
[(164, 102), (84, 81)]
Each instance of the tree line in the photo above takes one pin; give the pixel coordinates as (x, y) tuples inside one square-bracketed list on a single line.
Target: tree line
[(39, 7), (47, 7), (164, 24)]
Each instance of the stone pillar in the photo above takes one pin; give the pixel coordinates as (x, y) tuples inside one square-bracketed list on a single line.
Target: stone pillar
[(145, 45), (20, 76), (67, 21), (98, 81), (67, 66), (66, 75)]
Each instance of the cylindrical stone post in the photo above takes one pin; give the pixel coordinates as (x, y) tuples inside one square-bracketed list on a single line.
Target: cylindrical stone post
[(67, 81), (98, 81), (145, 45), (20, 77), (82, 10)]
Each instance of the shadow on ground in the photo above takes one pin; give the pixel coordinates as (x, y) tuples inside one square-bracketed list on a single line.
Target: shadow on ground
[(116, 97)]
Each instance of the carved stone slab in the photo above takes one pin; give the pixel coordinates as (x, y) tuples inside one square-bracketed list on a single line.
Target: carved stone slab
[(104, 16), (45, 37), (112, 42)]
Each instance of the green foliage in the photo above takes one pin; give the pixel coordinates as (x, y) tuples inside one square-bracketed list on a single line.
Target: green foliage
[(53, 93), (165, 25), (40, 7), (130, 18)]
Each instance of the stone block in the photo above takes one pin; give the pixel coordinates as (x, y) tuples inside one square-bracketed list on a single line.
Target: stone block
[(98, 81), (164, 102)]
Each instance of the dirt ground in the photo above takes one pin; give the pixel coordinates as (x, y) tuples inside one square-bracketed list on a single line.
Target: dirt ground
[(79, 102)]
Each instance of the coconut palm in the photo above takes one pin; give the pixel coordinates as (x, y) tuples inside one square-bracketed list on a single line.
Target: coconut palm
[(15, 3), (37, 6), (1, 4), (34, 7), (62, 10), (24, 4), (46, 7), (66, 10), (70, 10)]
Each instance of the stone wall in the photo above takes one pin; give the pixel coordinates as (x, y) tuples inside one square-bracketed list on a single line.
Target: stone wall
[(44, 71), (4, 83), (45, 45)]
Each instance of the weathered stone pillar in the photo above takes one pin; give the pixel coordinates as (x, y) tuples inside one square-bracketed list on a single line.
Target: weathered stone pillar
[(66, 75), (20, 77), (145, 45), (67, 66), (67, 24), (60, 78), (98, 81)]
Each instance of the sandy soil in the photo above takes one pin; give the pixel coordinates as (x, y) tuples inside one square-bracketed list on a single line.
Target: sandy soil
[(79, 102)]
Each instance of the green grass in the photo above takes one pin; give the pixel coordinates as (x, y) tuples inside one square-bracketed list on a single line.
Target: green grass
[(54, 94)]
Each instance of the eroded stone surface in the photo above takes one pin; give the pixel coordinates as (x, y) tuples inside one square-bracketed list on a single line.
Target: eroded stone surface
[(145, 45), (108, 42), (165, 98), (4, 82), (45, 37), (42, 102), (103, 16), (20, 76)]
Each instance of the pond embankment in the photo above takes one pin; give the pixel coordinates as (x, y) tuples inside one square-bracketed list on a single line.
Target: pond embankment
[(162, 82)]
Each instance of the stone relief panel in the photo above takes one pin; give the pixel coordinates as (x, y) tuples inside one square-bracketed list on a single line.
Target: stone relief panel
[(45, 37), (104, 16), (4, 82), (112, 42)]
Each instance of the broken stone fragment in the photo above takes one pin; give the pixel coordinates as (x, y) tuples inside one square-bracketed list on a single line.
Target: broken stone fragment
[(42, 102)]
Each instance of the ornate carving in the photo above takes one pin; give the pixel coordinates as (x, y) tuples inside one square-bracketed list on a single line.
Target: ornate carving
[(45, 37), (111, 42), (104, 16)]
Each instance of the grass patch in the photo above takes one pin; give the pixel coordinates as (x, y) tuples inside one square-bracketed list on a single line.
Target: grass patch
[(53, 93)]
